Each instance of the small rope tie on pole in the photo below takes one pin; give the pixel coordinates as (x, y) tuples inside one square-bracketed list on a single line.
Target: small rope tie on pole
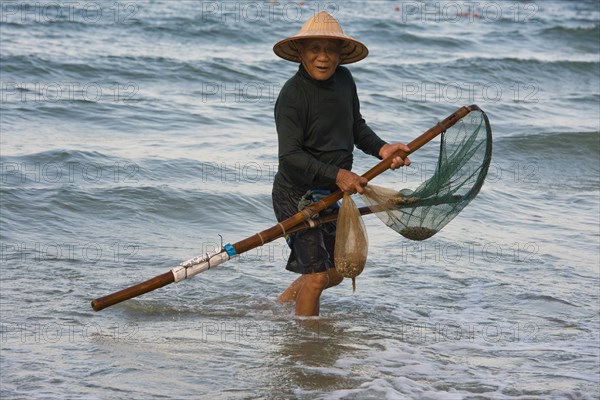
[(262, 240), (282, 228), (306, 213)]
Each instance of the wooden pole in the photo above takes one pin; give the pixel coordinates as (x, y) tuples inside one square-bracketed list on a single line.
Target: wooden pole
[(287, 226)]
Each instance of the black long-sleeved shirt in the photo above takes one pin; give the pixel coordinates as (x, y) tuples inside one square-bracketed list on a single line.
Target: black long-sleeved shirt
[(318, 124)]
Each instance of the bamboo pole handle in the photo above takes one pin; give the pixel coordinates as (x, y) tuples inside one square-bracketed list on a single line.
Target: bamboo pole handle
[(420, 141), (133, 291)]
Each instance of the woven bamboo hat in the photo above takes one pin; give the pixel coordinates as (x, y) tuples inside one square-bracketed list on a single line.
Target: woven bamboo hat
[(322, 26)]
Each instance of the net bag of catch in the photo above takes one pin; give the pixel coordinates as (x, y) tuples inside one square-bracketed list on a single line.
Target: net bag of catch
[(462, 164), (351, 241)]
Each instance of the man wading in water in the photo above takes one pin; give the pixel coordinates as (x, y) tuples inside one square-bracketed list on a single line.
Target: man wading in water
[(318, 122)]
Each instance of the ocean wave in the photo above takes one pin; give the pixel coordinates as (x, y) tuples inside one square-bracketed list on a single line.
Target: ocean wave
[(579, 64), (561, 162), (60, 156), (581, 32), (583, 144), (199, 205), (123, 70)]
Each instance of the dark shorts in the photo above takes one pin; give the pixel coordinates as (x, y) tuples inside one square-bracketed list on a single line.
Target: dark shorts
[(312, 249)]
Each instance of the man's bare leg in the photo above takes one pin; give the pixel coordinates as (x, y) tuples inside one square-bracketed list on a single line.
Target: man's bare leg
[(289, 294), (306, 291)]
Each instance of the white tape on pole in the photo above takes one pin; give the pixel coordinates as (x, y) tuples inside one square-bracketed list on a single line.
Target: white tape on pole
[(198, 264)]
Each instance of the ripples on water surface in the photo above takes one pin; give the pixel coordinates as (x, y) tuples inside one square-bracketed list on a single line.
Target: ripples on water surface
[(131, 140)]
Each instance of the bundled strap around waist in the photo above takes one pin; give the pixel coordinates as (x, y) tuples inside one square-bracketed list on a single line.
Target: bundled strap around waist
[(314, 195)]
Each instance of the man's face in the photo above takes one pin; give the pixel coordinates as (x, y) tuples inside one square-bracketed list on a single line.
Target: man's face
[(320, 57)]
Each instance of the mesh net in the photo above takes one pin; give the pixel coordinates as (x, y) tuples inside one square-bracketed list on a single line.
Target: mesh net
[(464, 158), (462, 165)]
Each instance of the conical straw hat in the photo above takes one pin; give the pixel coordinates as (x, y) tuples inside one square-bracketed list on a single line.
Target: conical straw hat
[(322, 26)]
